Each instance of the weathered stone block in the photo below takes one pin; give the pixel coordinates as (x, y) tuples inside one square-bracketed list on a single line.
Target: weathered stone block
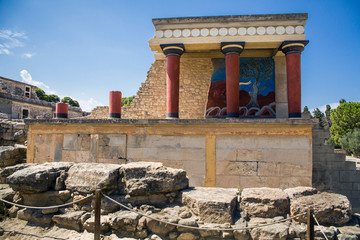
[(37, 178), (34, 216), (329, 208), (89, 224), (70, 220), (5, 172), (217, 209), (276, 231), (11, 155), (264, 202), (46, 199), (297, 192), (143, 178), (86, 177), (160, 227)]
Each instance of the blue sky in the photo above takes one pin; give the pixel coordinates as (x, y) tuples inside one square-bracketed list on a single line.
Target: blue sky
[(86, 48)]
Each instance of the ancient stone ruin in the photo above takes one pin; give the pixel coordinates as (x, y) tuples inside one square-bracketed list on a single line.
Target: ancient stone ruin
[(163, 193)]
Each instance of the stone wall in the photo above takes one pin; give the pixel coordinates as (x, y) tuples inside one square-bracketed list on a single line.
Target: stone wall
[(150, 101), (100, 112), (35, 111), (332, 172), (214, 152)]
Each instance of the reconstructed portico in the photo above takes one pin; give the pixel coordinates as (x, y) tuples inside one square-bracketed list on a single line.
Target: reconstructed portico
[(216, 102), (201, 41)]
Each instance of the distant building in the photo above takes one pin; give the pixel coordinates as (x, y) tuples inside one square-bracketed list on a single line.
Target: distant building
[(18, 100)]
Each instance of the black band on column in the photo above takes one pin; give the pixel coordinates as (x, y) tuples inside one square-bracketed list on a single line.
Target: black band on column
[(293, 46), (294, 115), (61, 115), (176, 49), (115, 115), (172, 115), (232, 115), (232, 47)]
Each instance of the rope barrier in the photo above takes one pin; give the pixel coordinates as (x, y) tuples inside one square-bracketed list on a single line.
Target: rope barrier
[(320, 227), (198, 228), (50, 207)]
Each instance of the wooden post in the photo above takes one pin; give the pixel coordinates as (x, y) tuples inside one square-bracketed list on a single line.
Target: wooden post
[(97, 214), (310, 224)]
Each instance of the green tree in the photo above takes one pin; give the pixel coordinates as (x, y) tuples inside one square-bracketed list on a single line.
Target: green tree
[(320, 115), (327, 115), (53, 98), (126, 101), (341, 101), (70, 101), (344, 119), (41, 94), (350, 142), (306, 111)]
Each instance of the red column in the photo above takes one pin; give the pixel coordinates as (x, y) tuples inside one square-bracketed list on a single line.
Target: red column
[(61, 110), (115, 104), (232, 52), (173, 53), (232, 62), (292, 50)]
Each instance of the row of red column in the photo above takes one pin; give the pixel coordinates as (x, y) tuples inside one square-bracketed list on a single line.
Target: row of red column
[(232, 51)]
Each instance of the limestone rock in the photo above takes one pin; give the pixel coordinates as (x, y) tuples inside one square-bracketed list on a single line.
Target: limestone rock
[(70, 220), (124, 221), (188, 236), (276, 231), (219, 208), (34, 216), (187, 222), (49, 211), (11, 155), (86, 177), (297, 231), (37, 178), (89, 224), (6, 192), (350, 231), (264, 202), (160, 227), (342, 236), (300, 191), (143, 178), (329, 208), (207, 233), (45, 199), (241, 235), (330, 232), (10, 170)]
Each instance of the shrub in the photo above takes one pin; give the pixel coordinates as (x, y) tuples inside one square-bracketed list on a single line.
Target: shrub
[(350, 142)]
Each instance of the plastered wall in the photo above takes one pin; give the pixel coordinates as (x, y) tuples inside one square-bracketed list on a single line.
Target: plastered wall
[(243, 154)]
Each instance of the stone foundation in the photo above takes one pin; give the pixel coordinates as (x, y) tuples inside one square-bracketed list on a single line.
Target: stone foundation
[(214, 152)]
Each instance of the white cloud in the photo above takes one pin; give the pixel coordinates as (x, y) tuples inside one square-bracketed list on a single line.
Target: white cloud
[(26, 77), (10, 39), (89, 104), (28, 55), (323, 108)]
